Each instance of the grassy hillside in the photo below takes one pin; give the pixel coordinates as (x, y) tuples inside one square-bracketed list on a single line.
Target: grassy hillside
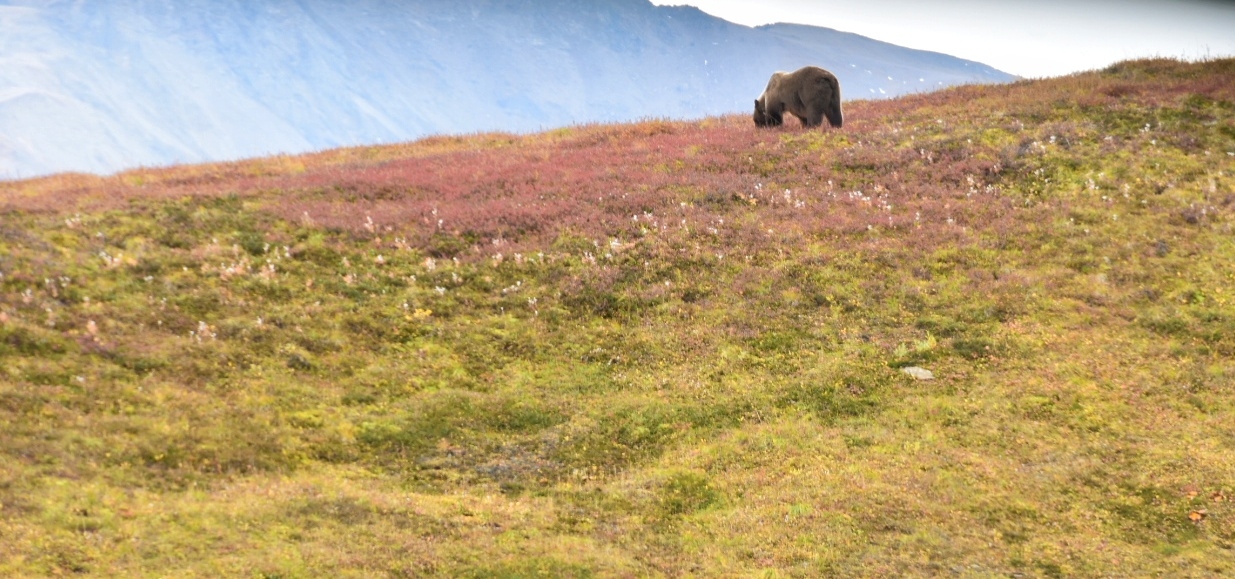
[(655, 349)]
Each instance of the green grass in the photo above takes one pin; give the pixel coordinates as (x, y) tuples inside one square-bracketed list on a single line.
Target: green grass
[(627, 351)]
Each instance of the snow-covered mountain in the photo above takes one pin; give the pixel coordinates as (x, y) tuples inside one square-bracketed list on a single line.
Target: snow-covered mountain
[(103, 85)]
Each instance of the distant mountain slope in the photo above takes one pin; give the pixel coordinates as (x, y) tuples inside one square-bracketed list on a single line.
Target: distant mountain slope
[(100, 86)]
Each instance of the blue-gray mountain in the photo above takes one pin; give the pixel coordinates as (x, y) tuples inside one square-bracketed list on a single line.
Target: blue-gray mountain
[(104, 85)]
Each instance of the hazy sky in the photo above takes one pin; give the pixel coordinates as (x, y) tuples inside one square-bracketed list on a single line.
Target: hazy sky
[(1034, 38)]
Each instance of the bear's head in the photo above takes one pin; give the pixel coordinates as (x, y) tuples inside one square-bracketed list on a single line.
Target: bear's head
[(761, 115)]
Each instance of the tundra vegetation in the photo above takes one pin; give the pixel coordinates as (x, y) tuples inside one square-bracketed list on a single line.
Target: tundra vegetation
[(652, 349)]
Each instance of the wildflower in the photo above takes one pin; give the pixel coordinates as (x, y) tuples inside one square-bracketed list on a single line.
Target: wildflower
[(229, 271), (267, 272), (110, 261), (204, 330)]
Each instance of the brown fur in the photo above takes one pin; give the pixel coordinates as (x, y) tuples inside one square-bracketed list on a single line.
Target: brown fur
[(809, 93)]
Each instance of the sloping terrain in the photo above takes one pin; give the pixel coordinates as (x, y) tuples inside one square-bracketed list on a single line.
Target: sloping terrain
[(103, 86), (650, 349)]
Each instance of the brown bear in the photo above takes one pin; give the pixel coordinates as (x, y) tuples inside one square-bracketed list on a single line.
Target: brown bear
[(809, 93)]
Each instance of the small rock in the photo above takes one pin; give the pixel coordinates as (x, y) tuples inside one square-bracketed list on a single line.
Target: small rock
[(919, 373)]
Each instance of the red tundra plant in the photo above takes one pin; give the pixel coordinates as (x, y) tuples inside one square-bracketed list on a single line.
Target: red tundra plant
[(595, 179), (932, 162)]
